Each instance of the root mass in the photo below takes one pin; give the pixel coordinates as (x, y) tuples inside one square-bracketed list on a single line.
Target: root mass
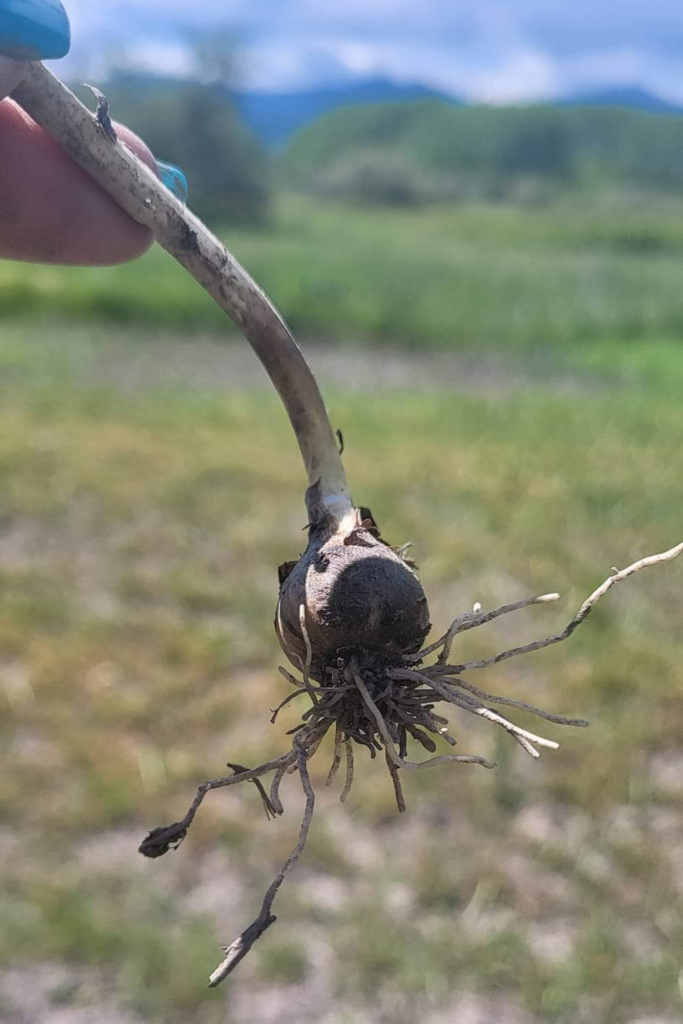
[(356, 639)]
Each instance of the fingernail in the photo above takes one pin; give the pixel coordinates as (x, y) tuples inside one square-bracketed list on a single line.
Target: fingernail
[(34, 29), (174, 179)]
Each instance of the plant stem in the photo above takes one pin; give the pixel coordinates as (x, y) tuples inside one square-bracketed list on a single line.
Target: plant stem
[(92, 144)]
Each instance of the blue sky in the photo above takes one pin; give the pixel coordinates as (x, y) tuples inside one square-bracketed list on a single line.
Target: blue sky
[(488, 50)]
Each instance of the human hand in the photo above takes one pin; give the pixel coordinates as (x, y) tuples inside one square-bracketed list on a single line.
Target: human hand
[(50, 210)]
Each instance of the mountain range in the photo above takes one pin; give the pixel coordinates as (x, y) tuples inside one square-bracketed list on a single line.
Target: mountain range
[(633, 97), (275, 117)]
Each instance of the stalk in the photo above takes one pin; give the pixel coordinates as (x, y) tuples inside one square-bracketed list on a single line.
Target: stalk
[(355, 591), (11, 73), (91, 142)]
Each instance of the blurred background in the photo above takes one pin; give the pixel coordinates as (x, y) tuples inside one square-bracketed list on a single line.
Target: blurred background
[(471, 216)]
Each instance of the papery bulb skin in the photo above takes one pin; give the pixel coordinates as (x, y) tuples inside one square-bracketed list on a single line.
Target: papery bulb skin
[(360, 598)]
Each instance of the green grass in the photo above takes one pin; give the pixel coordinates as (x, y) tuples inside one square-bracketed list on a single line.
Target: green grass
[(114, 922), (139, 541), (467, 278), (485, 151)]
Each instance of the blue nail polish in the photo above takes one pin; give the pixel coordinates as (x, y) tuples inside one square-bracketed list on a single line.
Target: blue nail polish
[(174, 180), (34, 29)]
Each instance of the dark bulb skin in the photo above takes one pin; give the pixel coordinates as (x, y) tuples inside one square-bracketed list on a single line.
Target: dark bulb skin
[(53, 212), (359, 597)]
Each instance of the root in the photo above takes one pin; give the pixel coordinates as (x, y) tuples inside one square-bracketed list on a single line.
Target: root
[(336, 760), (306, 664), (618, 575), (391, 753), (283, 703), (470, 620), (398, 791), (380, 705), (268, 806), (169, 837), (275, 789), (348, 781), (238, 949)]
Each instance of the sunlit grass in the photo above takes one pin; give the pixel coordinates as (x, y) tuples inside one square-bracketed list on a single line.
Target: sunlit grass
[(455, 277)]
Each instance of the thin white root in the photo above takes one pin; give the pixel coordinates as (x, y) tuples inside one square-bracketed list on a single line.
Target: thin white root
[(516, 730), (523, 736), (584, 611), (306, 665), (470, 620), (238, 949)]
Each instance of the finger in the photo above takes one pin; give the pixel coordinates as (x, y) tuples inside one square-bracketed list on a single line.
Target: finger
[(53, 212)]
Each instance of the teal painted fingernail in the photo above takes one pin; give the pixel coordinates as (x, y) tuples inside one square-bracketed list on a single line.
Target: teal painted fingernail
[(174, 179), (34, 30)]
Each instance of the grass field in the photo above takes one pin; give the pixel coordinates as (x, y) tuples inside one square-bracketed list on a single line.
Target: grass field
[(557, 280), (138, 546)]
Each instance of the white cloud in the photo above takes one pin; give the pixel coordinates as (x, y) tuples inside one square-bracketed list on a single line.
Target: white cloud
[(521, 76), (492, 50)]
